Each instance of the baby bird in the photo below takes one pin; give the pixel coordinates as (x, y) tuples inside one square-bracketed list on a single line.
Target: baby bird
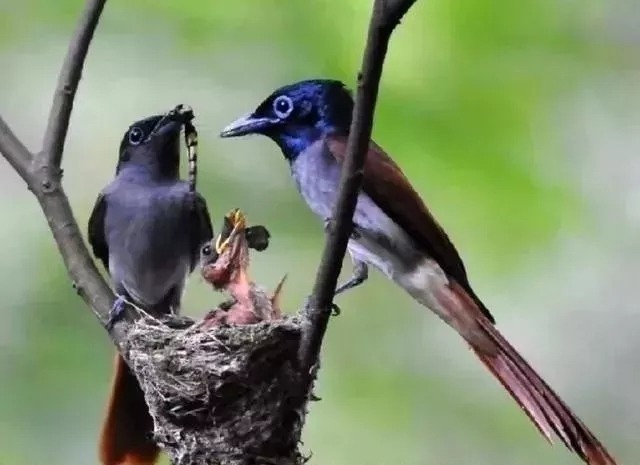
[(225, 265)]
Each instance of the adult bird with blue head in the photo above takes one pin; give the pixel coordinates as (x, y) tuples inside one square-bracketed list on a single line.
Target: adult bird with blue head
[(394, 231), (147, 228)]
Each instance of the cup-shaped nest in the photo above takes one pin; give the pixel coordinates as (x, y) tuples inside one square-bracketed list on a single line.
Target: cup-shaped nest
[(231, 394)]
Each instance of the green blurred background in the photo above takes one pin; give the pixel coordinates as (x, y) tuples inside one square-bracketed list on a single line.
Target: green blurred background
[(519, 122)]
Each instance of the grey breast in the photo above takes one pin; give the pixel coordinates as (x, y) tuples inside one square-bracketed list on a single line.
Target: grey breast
[(148, 239), (381, 242)]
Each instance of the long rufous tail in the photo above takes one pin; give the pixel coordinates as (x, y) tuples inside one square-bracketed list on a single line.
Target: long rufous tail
[(543, 406), (127, 432)]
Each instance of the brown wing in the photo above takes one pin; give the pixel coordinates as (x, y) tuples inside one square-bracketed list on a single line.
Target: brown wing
[(385, 183)]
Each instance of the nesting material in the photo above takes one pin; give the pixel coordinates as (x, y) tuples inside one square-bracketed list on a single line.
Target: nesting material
[(224, 394)]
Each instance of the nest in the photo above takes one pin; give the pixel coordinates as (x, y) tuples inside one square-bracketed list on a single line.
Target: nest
[(221, 395)]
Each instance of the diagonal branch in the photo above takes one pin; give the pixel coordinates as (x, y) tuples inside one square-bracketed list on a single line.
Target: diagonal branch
[(385, 17), (68, 80), (14, 150), (42, 172)]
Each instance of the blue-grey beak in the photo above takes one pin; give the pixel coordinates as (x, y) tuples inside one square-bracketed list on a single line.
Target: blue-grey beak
[(248, 124)]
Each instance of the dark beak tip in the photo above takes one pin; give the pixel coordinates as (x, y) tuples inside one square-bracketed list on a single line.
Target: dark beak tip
[(182, 113)]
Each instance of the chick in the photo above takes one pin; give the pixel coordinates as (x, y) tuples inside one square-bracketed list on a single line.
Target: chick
[(225, 265)]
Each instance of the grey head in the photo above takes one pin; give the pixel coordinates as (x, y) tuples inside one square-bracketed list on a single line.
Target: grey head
[(151, 146)]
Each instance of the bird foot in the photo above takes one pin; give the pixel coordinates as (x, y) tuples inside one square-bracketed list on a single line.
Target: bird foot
[(335, 310), (117, 310), (329, 226)]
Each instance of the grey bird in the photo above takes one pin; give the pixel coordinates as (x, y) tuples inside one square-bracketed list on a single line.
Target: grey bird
[(147, 228), (394, 231)]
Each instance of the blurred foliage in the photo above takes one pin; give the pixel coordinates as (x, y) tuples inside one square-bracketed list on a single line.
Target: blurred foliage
[(465, 92), (468, 106)]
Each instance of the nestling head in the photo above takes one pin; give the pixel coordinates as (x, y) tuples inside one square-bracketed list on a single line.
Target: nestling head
[(155, 141), (226, 258), (297, 115)]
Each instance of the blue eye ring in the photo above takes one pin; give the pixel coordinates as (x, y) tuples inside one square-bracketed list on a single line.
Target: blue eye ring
[(282, 106), (136, 135)]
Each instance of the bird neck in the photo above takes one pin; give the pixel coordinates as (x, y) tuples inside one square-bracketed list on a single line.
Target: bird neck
[(149, 171), (293, 140), (240, 286)]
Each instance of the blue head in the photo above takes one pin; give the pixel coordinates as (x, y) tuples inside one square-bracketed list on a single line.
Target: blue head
[(152, 146), (297, 115)]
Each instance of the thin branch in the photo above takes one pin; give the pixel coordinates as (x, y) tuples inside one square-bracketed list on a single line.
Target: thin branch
[(68, 80), (386, 15), (85, 277), (43, 176), (14, 150), (44, 182)]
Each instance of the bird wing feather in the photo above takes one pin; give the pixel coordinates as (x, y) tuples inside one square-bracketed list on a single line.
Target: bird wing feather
[(96, 231), (201, 229), (385, 183)]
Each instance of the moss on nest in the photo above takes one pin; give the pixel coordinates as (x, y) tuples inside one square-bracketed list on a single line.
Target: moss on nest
[(221, 395)]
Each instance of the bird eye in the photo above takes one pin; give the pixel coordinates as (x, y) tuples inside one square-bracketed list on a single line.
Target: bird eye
[(282, 106), (135, 136), (206, 250)]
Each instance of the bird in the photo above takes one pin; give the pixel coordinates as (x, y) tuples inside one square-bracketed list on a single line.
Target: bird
[(147, 227), (394, 232), (224, 263)]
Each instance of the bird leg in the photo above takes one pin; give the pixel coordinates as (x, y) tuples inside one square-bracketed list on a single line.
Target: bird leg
[(335, 310), (329, 225), (359, 275), (117, 310)]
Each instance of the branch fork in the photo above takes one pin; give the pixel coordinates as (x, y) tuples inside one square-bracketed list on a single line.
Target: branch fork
[(228, 395)]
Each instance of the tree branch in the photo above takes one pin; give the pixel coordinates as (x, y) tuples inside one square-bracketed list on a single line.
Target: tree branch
[(43, 176), (45, 179), (268, 375), (14, 151), (386, 15), (60, 113)]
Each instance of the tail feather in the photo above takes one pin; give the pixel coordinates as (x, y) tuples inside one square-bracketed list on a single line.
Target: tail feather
[(527, 402), (127, 432), (541, 404)]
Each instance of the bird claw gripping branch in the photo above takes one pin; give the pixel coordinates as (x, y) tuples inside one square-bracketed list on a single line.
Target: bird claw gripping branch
[(335, 309), (117, 309), (225, 265)]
